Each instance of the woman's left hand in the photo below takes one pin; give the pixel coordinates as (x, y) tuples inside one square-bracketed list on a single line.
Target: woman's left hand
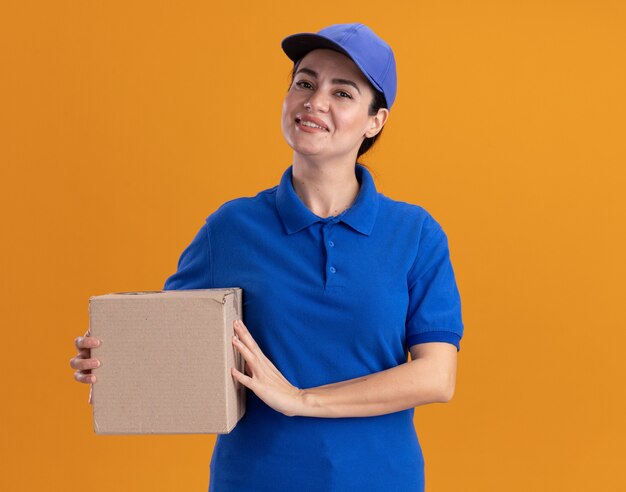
[(262, 376)]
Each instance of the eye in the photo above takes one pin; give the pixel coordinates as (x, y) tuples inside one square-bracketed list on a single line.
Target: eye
[(304, 84), (344, 94)]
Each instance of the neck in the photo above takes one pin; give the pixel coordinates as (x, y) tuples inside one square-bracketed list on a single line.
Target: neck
[(326, 188)]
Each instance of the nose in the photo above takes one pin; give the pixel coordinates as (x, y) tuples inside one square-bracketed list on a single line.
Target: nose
[(317, 102)]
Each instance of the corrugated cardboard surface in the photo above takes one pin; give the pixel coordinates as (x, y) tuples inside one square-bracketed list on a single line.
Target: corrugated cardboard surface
[(165, 360)]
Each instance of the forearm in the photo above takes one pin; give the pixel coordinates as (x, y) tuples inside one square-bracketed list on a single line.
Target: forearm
[(408, 385)]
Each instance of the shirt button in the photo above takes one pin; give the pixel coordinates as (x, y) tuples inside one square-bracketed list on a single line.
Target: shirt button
[(333, 269), (331, 244)]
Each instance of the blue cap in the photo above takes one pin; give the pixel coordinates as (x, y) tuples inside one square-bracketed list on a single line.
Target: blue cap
[(370, 53)]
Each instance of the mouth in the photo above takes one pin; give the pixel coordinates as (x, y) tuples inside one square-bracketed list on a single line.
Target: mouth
[(311, 124)]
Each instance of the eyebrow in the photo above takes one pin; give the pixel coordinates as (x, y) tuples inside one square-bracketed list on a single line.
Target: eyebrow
[(313, 74)]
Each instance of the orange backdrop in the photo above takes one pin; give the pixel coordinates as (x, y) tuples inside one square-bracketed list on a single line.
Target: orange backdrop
[(124, 124)]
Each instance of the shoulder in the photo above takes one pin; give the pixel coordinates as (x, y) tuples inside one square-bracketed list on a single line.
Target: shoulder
[(419, 220), (244, 207), (414, 226)]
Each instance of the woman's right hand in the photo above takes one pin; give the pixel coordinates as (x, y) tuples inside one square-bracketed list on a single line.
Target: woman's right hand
[(82, 362)]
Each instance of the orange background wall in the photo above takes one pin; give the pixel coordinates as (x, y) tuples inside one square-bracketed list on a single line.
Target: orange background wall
[(124, 124)]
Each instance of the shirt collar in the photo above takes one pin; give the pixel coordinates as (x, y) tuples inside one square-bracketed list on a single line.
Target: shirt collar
[(360, 216)]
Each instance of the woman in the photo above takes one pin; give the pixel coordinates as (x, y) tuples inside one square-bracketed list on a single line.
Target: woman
[(339, 283)]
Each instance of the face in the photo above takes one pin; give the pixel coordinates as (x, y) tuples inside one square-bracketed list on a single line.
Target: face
[(325, 112)]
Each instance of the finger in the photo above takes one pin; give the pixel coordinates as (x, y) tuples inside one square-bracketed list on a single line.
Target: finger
[(248, 355), (240, 325), (84, 377), (243, 333), (86, 342), (242, 378), (84, 364)]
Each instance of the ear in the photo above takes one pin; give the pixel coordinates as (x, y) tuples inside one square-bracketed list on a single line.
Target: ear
[(376, 122)]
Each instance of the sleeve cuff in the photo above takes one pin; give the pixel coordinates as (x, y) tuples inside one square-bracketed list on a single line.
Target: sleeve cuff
[(435, 336)]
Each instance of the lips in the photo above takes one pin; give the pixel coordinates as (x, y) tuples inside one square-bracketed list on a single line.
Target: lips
[(311, 120)]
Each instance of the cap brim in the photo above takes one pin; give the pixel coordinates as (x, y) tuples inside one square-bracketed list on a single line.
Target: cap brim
[(298, 45)]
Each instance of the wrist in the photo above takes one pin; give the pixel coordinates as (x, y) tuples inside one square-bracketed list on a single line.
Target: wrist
[(303, 404)]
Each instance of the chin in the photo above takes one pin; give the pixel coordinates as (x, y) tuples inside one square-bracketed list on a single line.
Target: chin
[(300, 148), (307, 150)]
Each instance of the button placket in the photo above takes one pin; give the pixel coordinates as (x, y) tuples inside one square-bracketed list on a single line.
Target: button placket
[(329, 244)]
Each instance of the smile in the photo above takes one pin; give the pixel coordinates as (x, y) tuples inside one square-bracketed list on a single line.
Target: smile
[(308, 123), (311, 124)]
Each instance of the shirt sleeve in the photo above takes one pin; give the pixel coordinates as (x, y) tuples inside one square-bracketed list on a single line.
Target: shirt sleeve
[(194, 265), (434, 312)]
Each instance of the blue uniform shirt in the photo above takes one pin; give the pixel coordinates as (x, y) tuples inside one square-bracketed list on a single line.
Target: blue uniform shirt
[(326, 299)]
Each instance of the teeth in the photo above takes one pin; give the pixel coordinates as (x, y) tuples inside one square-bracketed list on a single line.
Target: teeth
[(311, 124)]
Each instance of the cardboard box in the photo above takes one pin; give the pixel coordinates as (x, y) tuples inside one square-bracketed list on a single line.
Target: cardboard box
[(166, 359)]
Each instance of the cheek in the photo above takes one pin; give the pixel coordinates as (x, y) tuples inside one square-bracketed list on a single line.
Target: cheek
[(285, 120), (354, 121), (288, 106), (285, 112)]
